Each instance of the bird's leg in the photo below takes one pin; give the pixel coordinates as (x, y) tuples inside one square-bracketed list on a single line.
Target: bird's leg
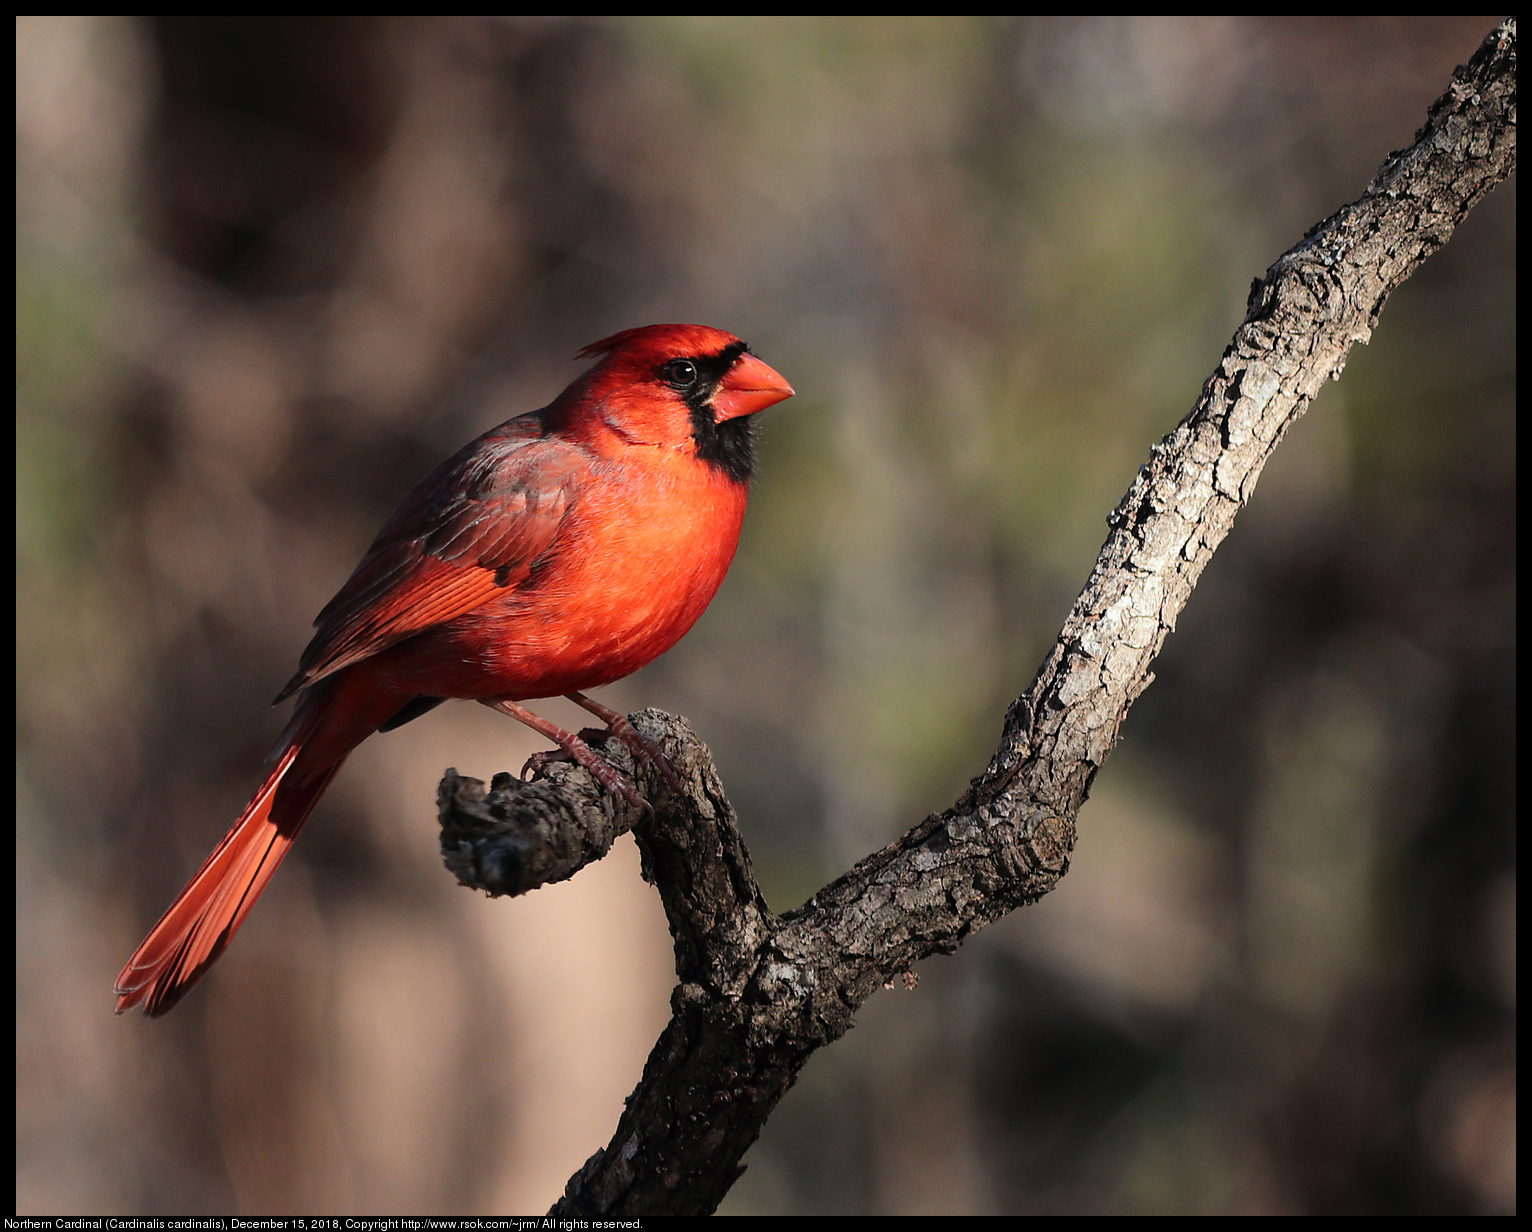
[(620, 727), (572, 745)]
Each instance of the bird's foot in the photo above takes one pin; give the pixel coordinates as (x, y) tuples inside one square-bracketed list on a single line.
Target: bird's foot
[(618, 725), (537, 761), (586, 735), (572, 749)]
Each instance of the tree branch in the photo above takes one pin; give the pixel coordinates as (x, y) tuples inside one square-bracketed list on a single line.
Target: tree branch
[(758, 993)]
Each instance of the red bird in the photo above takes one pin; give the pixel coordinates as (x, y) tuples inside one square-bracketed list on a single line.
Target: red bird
[(558, 552)]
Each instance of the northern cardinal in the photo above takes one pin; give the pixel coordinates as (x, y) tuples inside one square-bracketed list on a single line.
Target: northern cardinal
[(558, 552)]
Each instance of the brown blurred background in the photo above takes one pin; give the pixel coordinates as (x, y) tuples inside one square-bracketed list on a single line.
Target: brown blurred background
[(271, 270)]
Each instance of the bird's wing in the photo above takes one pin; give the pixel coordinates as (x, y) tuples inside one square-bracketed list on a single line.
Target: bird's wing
[(474, 526)]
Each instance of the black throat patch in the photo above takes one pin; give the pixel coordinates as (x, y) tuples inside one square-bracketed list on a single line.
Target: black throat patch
[(729, 446)]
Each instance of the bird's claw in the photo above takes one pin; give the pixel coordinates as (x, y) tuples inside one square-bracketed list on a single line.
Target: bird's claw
[(537, 761), (651, 752), (599, 770), (619, 725)]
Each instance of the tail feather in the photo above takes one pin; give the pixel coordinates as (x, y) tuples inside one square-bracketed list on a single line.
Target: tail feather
[(203, 920)]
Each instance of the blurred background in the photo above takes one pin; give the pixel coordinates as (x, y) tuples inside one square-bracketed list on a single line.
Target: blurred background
[(271, 270)]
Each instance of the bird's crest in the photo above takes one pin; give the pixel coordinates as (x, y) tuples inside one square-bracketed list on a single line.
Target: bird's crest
[(703, 338)]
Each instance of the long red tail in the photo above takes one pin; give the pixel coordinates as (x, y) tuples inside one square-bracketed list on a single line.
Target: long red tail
[(203, 920)]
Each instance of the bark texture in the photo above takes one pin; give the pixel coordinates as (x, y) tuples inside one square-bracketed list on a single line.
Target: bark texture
[(757, 993)]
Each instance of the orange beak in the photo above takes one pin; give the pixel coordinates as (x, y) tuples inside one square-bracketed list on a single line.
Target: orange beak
[(749, 386)]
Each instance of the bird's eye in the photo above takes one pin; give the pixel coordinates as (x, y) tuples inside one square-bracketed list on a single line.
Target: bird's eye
[(681, 373)]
